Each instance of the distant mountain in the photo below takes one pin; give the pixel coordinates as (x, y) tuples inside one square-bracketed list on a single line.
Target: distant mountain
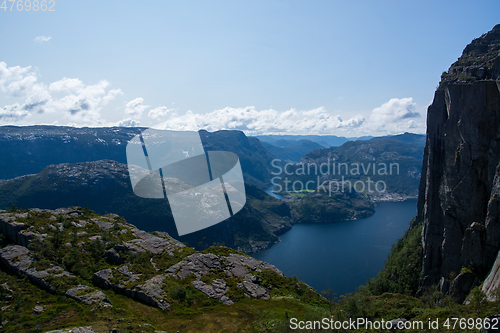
[(105, 187), (29, 149), (393, 161), (410, 138), (324, 140), (291, 150)]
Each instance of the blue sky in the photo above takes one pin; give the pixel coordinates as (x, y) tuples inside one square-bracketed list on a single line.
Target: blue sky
[(345, 68)]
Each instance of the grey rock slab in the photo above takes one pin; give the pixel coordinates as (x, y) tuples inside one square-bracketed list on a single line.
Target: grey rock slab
[(83, 329), (88, 295), (216, 290), (106, 226), (252, 289)]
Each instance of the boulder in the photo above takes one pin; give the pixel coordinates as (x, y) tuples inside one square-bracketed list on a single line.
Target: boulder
[(397, 324), (10, 228), (462, 284), (113, 256), (252, 289)]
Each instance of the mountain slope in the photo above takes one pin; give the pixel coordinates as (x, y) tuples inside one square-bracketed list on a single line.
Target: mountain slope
[(84, 268), (105, 187), (393, 161), (255, 160)]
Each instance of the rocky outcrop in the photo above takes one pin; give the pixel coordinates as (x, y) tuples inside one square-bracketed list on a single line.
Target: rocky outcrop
[(13, 230), (459, 188), (145, 242), (201, 264), (491, 285), (234, 266), (20, 260), (216, 289), (479, 61), (154, 244), (121, 280), (83, 329), (251, 287), (87, 295), (152, 268)]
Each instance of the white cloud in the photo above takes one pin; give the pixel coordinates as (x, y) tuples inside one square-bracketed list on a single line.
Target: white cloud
[(354, 122), (42, 39), (111, 95), (71, 98), (252, 121), (21, 82), (66, 85), (395, 116), (395, 110), (159, 112), (135, 108), (126, 123), (12, 112)]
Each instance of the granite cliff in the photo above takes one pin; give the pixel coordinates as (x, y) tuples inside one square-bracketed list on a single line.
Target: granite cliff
[(460, 184)]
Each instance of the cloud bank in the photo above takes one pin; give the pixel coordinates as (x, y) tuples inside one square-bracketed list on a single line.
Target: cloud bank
[(252, 121), (71, 101), (70, 98)]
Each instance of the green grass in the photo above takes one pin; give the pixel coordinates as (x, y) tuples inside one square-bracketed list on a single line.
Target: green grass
[(297, 194)]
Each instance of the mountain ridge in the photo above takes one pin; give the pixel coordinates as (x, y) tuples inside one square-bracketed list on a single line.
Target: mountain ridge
[(29, 149)]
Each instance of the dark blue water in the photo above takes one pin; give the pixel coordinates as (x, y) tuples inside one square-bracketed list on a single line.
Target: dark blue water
[(341, 255), (269, 191)]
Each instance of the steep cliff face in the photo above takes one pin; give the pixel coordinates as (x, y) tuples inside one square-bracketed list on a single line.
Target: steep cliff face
[(460, 185)]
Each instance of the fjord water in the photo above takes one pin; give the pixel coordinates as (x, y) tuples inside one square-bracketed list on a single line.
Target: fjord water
[(341, 255)]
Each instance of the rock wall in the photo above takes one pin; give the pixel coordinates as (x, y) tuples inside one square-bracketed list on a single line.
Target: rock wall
[(460, 186)]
